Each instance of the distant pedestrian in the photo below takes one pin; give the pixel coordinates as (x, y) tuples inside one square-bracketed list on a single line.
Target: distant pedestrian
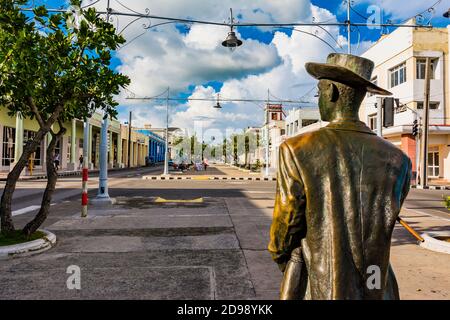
[(81, 161), (56, 161)]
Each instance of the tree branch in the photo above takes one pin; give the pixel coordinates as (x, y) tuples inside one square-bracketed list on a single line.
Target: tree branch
[(35, 110)]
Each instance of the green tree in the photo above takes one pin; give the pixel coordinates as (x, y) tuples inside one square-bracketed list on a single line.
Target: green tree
[(50, 71)]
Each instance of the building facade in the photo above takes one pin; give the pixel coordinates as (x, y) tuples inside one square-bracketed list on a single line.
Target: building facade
[(400, 68), (299, 118), (277, 133), (15, 132), (157, 145)]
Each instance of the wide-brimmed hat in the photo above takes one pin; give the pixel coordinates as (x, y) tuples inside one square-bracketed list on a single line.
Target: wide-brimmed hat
[(348, 69)]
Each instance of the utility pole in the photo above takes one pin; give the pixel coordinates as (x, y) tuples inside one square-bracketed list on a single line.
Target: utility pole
[(417, 138), (84, 192), (267, 133), (166, 152), (129, 140), (349, 28), (426, 110)]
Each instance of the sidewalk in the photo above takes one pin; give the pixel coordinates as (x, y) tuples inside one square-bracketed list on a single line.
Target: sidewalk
[(61, 173)]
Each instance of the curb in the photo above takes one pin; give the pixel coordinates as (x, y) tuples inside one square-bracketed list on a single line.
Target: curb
[(433, 244), (431, 187), (28, 248), (208, 178)]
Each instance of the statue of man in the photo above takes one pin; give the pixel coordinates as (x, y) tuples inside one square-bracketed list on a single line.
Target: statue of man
[(339, 192)]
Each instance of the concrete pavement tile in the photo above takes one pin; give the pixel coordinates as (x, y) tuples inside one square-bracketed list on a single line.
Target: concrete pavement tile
[(264, 272), (149, 222), (100, 244), (202, 242), (112, 283), (132, 274)]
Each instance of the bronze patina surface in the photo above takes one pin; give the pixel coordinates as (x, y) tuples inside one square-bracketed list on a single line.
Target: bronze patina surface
[(339, 193)]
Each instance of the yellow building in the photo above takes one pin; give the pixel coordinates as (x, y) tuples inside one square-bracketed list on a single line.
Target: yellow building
[(14, 133)]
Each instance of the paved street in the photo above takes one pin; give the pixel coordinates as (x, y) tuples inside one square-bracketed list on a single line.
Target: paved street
[(215, 249)]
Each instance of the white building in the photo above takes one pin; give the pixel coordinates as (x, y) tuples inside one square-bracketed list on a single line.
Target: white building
[(299, 118), (277, 133)]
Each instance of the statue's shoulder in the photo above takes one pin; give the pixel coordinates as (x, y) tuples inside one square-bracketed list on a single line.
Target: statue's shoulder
[(302, 141)]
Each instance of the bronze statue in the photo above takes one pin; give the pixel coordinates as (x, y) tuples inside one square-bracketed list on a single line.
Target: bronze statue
[(339, 192)]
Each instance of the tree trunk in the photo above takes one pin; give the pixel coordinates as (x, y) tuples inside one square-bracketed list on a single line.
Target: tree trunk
[(5, 206), (52, 178)]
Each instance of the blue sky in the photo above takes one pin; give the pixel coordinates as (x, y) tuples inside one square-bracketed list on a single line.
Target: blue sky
[(190, 60)]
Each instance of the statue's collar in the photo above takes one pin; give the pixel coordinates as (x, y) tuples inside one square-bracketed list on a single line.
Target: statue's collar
[(349, 125)]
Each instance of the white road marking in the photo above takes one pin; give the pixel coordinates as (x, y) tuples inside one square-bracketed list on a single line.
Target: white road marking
[(24, 210), (27, 209)]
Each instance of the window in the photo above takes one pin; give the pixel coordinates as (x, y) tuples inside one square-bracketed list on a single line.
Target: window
[(283, 132), (274, 116), (9, 138), (397, 75), (372, 121), (374, 80), (433, 105), (433, 162), (287, 130), (307, 122), (420, 68), (296, 126)]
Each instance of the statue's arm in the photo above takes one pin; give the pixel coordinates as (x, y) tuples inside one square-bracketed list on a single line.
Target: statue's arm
[(288, 224)]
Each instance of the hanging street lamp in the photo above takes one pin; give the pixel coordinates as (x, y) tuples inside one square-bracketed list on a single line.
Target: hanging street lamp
[(231, 42), (217, 105)]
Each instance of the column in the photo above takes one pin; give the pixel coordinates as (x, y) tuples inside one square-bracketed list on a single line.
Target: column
[(18, 150), (152, 143), (89, 159), (1, 146), (73, 144), (111, 150), (131, 154), (119, 149)]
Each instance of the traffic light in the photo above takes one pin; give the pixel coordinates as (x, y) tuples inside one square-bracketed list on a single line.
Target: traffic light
[(388, 112), (415, 128)]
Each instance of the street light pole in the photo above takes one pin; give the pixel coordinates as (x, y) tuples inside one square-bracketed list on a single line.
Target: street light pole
[(349, 26), (103, 177), (166, 152)]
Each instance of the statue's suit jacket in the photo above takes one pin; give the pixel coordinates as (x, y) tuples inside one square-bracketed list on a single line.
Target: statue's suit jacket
[(339, 192)]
